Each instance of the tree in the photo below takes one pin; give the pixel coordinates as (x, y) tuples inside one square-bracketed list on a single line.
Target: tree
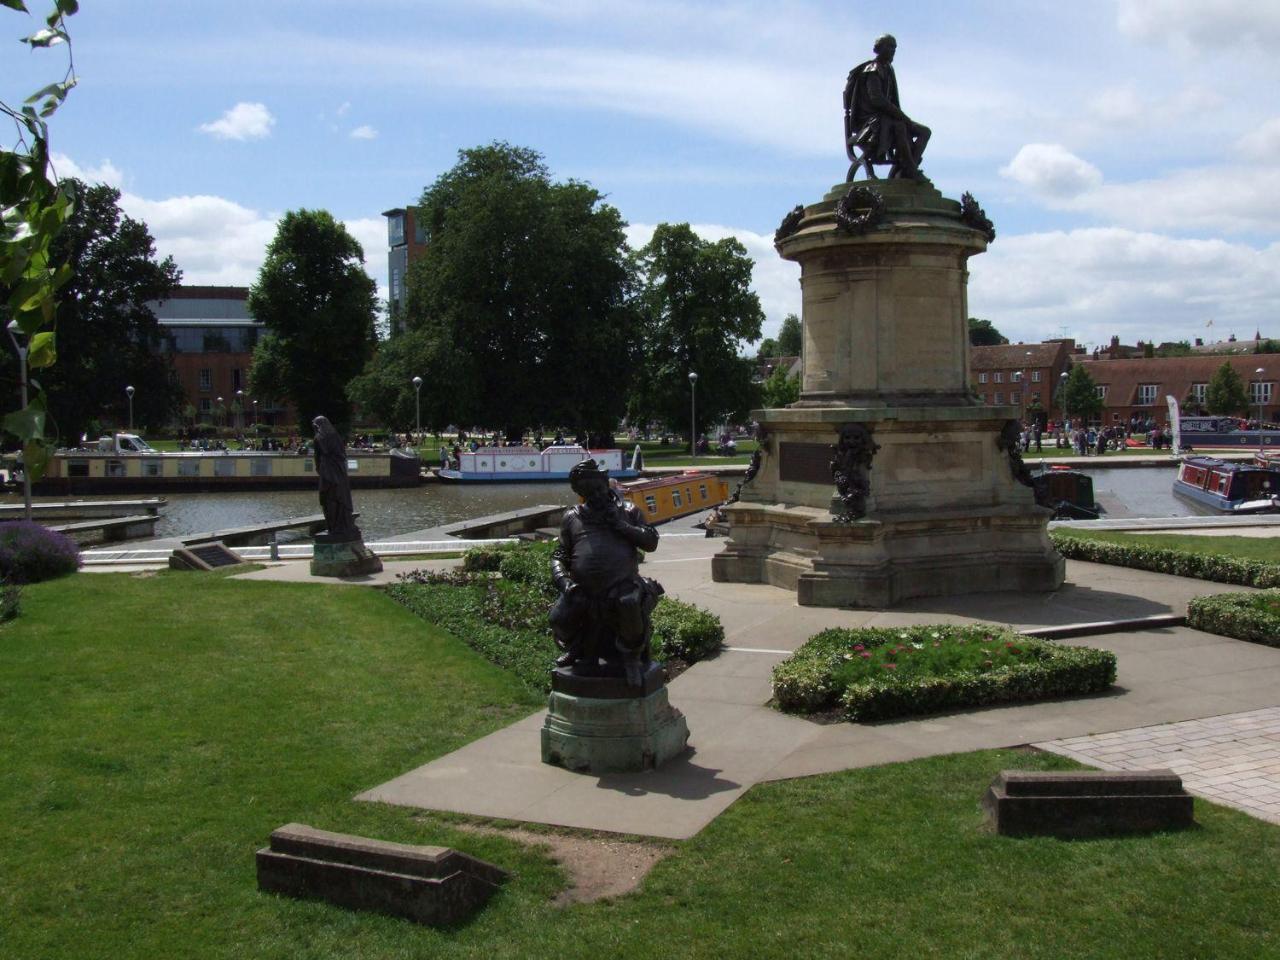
[(698, 310), (780, 389), (983, 334), (108, 338), (521, 301), (768, 348), (1226, 392), (789, 337), (319, 308), (1080, 396), (1177, 348)]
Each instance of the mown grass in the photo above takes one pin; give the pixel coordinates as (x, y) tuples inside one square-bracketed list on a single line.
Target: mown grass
[(1243, 548), (156, 729)]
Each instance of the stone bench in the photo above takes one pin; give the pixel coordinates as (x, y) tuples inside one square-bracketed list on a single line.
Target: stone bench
[(1086, 802), (430, 885)]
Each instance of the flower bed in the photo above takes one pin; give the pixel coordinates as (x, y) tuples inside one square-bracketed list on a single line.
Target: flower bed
[(1180, 563), (1245, 616), (30, 552), (504, 617), (878, 674)]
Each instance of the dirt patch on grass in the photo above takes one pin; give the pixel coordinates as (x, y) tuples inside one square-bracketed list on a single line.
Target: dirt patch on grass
[(598, 866)]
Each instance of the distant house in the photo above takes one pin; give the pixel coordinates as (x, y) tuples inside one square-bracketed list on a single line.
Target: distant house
[(1020, 374), (1139, 386), (765, 367)]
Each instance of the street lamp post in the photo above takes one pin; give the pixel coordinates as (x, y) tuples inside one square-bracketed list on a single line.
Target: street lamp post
[(255, 415), (129, 393), (693, 415), (1062, 380), (417, 407), (1259, 373), (222, 414)]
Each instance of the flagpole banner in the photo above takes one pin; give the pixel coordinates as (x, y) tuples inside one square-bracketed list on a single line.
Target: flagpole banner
[(1175, 424)]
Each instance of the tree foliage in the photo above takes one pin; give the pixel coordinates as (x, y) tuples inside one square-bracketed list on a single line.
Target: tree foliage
[(108, 338), (319, 308), (789, 336), (1080, 396), (33, 208), (1226, 392), (982, 333), (519, 309), (697, 311), (780, 389)]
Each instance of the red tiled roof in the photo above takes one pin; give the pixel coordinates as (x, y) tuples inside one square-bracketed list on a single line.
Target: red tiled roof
[(1172, 375), (1014, 356)]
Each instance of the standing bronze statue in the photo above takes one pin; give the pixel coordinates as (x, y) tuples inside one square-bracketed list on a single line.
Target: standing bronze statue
[(601, 620), (875, 128)]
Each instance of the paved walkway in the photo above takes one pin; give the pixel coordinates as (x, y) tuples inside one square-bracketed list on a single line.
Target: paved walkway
[(1166, 676)]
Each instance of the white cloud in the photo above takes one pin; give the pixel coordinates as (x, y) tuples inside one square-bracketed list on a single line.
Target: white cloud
[(364, 132), (1202, 24), (105, 172), (244, 121), (1052, 170), (343, 108)]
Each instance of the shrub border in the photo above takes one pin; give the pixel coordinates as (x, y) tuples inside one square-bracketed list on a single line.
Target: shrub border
[(1233, 615), (1179, 563)]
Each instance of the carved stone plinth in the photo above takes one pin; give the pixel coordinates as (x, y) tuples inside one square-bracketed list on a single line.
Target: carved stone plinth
[(342, 558), (600, 725), (1087, 803), (886, 480)]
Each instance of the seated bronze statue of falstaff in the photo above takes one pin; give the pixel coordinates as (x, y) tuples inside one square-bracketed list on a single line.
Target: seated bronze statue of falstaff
[(875, 128), (601, 620)]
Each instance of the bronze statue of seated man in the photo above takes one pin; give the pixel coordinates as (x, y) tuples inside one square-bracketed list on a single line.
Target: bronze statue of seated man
[(601, 620), (875, 128)]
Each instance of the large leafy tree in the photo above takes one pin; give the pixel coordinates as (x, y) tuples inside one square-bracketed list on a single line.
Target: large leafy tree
[(1080, 395), (698, 310), (789, 337), (319, 308), (1226, 392), (520, 309), (982, 333), (107, 336), (781, 389)]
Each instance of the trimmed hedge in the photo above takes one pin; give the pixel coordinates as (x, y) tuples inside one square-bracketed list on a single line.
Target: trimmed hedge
[(1245, 616), (505, 618), (30, 553), (816, 677), (1180, 563)]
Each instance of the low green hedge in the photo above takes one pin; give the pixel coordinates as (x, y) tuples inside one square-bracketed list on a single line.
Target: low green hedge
[(1221, 569), (505, 617), (879, 674), (1245, 616)]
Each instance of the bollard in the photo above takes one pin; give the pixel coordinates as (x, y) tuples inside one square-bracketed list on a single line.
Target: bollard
[(275, 546)]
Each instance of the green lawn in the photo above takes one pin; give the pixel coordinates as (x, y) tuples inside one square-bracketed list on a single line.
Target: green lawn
[(155, 730), (1243, 548)]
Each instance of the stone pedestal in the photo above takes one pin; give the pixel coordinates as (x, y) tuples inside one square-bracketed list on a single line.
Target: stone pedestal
[(885, 347), (600, 725), (342, 558)]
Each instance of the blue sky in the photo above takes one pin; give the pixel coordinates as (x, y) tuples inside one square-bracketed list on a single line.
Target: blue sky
[(1127, 150)]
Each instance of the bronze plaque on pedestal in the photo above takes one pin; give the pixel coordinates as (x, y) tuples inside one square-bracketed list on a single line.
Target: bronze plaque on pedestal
[(805, 463)]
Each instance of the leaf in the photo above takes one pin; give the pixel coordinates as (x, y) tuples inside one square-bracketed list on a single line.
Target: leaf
[(15, 5), (35, 458), (27, 423), (68, 7), (43, 351)]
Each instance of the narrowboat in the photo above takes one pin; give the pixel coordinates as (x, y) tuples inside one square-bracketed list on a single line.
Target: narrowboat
[(529, 464), (1229, 487), (1068, 492), (1223, 432), (678, 495), (126, 462)]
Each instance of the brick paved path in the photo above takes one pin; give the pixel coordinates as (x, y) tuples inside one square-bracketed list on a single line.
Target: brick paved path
[(1232, 759)]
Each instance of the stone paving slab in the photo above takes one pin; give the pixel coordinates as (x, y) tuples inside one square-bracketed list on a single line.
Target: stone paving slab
[(1232, 759)]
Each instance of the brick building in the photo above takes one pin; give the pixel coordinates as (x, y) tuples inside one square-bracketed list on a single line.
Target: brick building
[(1020, 374), (210, 337), (1140, 385), (406, 241)]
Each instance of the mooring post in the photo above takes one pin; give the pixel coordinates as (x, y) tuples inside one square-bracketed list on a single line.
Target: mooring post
[(275, 546)]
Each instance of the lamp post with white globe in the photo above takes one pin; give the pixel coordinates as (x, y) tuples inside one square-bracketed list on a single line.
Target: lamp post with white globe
[(693, 414), (417, 407), (128, 391), (1259, 373)]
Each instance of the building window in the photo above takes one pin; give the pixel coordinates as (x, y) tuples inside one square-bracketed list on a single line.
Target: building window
[(982, 378), (395, 284), (999, 398), (1147, 394), (1015, 377), (1035, 376), (206, 379), (1198, 391), (1100, 391), (235, 379), (1260, 392), (206, 405), (1015, 397), (998, 377), (395, 230)]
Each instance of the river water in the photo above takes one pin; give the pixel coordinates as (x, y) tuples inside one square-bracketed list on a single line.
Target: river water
[(1122, 492)]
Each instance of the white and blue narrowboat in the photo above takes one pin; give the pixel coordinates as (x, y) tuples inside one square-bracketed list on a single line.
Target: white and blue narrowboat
[(1229, 487), (529, 464), (1199, 431)]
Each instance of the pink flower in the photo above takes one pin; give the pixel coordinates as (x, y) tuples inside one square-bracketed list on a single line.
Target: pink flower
[(865, 655), (859, 647), (891, 666)]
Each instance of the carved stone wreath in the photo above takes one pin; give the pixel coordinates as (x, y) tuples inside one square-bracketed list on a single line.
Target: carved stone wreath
[(790, 223), (975, 217), (859, 198), (850, 469)]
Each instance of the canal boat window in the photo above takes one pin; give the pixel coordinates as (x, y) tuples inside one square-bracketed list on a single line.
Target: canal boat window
[(260, 467), (189, 467), (353, 465), (675, 499), (651, 503), (153, 468), (307, 467), (115, 468), (702, 490), (688, 495), (77, 468), (224, 467), (1222, 484)]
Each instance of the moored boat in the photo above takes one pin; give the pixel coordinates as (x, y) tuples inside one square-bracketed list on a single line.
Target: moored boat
[(1198, 431), (1069, 492), (1229, 487), (529, 464), (661, 499)]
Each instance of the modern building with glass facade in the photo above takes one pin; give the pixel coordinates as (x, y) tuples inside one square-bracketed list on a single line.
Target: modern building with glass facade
[(406, 241)]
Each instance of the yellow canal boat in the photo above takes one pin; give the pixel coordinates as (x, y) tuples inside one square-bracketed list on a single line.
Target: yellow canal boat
[(678, 495)]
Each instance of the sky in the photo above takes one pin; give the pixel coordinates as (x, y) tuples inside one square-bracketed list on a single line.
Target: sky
[(1128, 151)]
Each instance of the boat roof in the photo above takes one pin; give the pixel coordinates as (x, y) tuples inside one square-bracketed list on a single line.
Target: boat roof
[(1227, 466), (671, 480)]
